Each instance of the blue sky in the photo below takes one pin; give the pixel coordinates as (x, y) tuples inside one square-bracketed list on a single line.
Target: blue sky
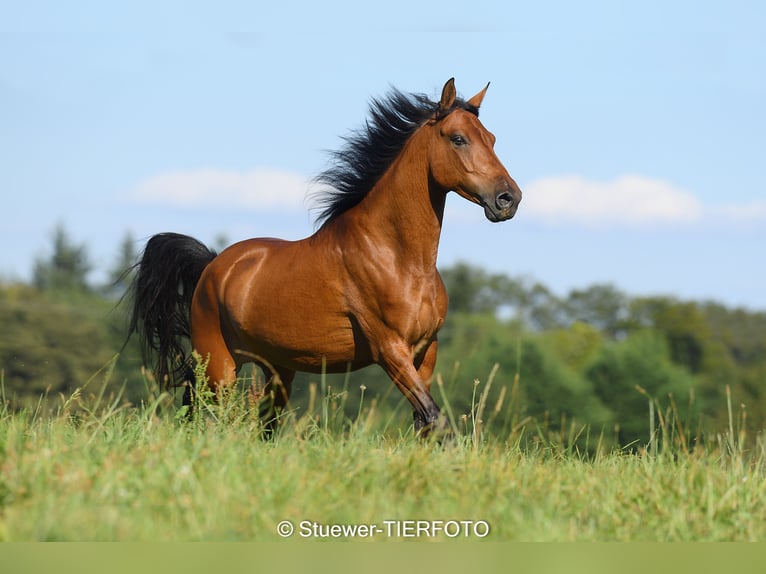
[(637, 131)]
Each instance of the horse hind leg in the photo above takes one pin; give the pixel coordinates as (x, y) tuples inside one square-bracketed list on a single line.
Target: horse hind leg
[(220, 367), (274, 397)]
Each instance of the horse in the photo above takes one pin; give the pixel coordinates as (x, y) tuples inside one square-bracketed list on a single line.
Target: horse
[(362, 289)]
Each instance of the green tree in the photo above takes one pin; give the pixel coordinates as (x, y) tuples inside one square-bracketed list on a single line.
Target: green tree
[(469, 289), (542, 309), (47, 345), (67, 267), (555, 393), (51, 345), (220, 242), (602, 306), (683, 324), (626, 374), (576, 346), (473, 290), (549, 390), (122, 272)]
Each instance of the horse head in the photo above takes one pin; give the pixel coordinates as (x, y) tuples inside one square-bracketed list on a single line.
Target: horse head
[(462, 156)]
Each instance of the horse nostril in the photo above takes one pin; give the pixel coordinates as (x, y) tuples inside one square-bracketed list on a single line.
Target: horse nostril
[(504, 200)]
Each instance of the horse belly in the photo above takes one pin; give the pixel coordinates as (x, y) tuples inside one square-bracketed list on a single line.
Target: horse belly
[(314, 345)]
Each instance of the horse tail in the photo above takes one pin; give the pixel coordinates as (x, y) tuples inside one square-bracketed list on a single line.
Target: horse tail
[(162, 289)]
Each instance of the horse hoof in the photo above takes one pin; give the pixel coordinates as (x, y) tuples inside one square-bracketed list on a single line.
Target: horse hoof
[(438, 430)]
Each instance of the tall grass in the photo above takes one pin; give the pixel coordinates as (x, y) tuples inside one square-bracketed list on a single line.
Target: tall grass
[(95, 468)]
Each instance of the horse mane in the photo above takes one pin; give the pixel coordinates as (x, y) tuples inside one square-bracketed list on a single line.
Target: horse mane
[(369, 151)]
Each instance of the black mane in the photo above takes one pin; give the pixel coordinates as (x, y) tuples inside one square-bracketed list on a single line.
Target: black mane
[(369, 151)]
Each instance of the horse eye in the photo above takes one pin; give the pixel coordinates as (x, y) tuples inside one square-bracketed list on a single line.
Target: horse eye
[(458, 140)]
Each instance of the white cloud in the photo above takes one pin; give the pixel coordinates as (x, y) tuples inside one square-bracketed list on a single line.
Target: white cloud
[(628, 200), (203, 188)]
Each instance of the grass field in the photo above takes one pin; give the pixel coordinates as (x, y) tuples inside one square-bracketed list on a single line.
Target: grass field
[(95, 470)]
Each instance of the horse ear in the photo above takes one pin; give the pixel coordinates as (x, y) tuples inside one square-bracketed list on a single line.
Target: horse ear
[(478, 98), (449, 94)]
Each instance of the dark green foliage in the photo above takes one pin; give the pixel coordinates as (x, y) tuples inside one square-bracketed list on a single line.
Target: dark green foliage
[(601, 306), (67, 268), (627, 374), (552, 391), (548, 390), (51, 345), (600, 356)]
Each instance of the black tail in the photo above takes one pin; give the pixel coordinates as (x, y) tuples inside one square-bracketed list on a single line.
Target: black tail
[(162, 290)]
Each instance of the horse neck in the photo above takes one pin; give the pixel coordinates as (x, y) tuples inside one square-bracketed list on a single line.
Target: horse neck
[(404, 210)]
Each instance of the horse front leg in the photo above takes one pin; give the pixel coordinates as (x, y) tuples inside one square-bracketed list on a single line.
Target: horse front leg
[(397, 361), (425, 362)]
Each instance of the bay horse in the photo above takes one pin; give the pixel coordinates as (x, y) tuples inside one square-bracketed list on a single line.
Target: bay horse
[(362, 289)]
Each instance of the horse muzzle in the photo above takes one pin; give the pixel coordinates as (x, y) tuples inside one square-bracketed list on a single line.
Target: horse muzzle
[(503, 203)]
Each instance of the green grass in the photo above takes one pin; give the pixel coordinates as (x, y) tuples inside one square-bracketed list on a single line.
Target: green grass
[(97, 470)]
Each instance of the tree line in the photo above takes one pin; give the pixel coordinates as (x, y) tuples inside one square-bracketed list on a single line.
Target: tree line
[(594, 358), (601, 356)]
